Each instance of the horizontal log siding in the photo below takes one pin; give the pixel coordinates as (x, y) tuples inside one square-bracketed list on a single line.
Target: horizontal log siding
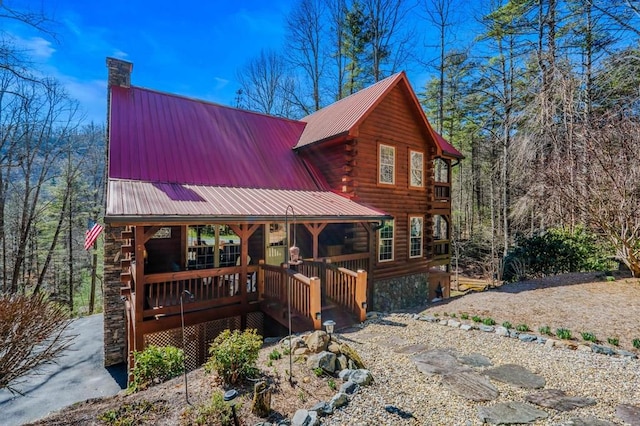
[(396, 123)]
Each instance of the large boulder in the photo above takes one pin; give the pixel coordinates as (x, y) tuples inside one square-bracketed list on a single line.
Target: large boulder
[(325, 360), (317, 341)]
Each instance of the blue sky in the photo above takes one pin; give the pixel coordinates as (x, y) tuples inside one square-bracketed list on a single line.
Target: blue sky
[(187, 47)]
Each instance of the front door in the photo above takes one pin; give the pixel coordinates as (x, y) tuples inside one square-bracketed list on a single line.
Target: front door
[(275, 243)]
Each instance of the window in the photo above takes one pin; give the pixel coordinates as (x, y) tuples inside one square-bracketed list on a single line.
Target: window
[(440, 228), (385, 242), (210, 246), (415, 245), (387, 163), (441, 170), (416, 169)]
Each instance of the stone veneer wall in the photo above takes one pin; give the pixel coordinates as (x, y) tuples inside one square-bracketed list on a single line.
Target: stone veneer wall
[(400, 293), (115, 335)]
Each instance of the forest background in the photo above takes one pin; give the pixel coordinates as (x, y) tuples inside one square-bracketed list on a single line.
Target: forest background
[(541, 96)]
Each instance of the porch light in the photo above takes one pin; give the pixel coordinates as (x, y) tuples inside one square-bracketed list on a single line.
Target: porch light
[(318, 316), (329, 326), (364, 305)]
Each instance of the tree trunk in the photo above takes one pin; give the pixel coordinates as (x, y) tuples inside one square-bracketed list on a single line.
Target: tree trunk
[(261, 406)]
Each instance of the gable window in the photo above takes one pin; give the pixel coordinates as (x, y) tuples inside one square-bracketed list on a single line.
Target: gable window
[(385, 241), (415, 226), (387, 164), (416, 169), (440, 228)]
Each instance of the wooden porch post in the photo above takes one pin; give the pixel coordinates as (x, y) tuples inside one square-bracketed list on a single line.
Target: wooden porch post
[(361, 294), (315, 302), (315, 229), (140, 289)]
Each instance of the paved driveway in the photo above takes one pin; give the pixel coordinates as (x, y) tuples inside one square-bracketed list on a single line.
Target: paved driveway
[(78, 375)]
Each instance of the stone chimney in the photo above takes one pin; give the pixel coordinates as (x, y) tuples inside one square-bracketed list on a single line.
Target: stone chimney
[(119, 72)]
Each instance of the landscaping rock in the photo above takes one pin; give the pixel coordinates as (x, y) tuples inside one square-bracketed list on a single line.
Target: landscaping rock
[(334, 347), (339, 400), (361, 377), (325, 360), (428, 318), (412, 349), (475, 360), (527, 337), (584, 348), (305, 418), (599, 349), (626, 354), (353, 356), (443, 322), (466, 327), (507, 413), (516, 375), (629, 414), (550, 343), (436, 361), (317, 341), (349, 387), (344, 374), (514, 334), (541, 340), (453, 323), (587, 421), (322, 408), (374, 315), (471, 385), (342, 362), (486, 328), (558, 400), (502, 331)]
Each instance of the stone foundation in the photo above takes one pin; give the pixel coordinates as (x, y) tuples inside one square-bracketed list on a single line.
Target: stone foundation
[(115, 335), (400, 293)]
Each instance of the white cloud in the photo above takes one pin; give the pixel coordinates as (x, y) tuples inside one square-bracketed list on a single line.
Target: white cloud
[(220, 83), (36, 47), (117, 53)]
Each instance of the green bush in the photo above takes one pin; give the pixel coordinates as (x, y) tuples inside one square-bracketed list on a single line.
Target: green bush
[(523, 327), (464, 316), (589, 337), (507, 325), (155, 365), (234, 355), (556, 251), (636, 343), (476, 318), (489, 321), (613, 341), (275, 355), (563, 333), (545, 330)]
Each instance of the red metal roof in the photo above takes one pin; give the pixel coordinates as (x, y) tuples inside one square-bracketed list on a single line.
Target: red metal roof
[(447, 149), (159, 137), (344, 115), (132, 200)]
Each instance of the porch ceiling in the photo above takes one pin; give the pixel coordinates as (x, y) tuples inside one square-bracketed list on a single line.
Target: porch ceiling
[(130, 201)]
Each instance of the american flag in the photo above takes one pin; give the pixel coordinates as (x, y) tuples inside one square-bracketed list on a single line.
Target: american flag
[(93, 230)]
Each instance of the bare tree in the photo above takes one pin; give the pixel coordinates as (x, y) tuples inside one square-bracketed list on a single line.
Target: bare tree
[(266, 84), (32, 334), (305, 27)]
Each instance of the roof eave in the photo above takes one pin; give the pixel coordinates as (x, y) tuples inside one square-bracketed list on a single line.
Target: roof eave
[(179, 219)]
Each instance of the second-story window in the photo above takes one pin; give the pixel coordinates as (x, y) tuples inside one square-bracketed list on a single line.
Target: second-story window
[(416, 169), (441, 170), (387, 164)]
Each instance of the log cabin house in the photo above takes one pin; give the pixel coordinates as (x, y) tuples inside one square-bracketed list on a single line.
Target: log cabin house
[(223, 218)]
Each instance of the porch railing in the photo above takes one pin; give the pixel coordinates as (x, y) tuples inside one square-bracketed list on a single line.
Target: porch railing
[(282, 285), (207, 288)]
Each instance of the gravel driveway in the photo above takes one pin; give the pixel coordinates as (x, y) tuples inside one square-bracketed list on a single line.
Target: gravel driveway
[(78, 375)]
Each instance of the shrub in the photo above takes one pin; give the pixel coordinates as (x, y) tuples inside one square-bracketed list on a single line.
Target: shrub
[(557, 251), (275, 355), (32, 331), (545, 330), (476, 318), (507, 325), (453, 315), (523, 327), (464, 316), (613, 341), (589, 337), (318, 371), (636, 343), (563, 333), (234, 355), (332, 384), (155, 365), (216, 412), (489, 321)]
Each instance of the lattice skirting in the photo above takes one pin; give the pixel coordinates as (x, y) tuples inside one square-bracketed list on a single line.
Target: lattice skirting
[(198, 337)]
